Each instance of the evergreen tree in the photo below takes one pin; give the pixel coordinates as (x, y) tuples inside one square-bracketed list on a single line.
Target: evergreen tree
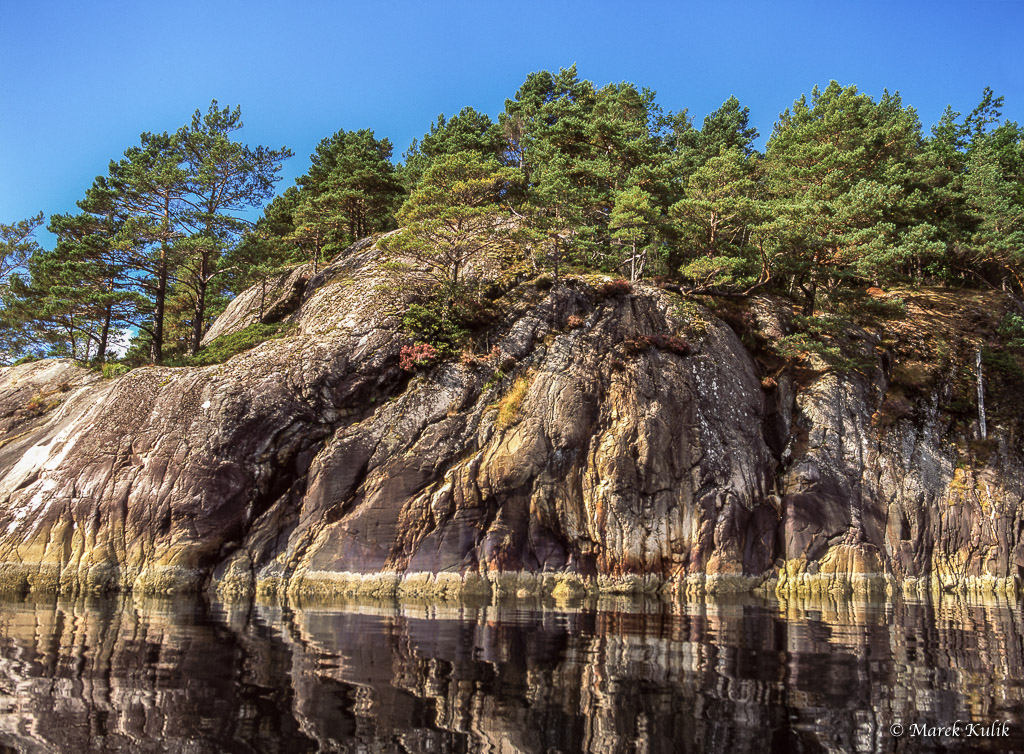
[(469, 131), (994, 187), (557, 163), (351, 191), (225, 179), (17, 246), (632, 225), (86, 274), (715, 222), (453, 222), (264, 249), (149, 187), (726, 128), (838, 168)]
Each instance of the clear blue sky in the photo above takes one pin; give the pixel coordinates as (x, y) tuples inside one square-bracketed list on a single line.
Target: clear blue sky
[(79, 81)]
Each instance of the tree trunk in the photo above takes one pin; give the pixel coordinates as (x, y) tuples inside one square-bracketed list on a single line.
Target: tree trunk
[(198, 330), (198, 326), (156, 350), (982, 428), (810, 295), (105, 333)]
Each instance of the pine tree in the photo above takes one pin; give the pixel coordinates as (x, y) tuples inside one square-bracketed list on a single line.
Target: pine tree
[(454, 224), (726, 128), (351, 191), (93, 279), (838, 170), (264, 249), (17, 246), (225, 178), (148, 188), (632, 225), (994, 191), (715, 222), (469, 131)]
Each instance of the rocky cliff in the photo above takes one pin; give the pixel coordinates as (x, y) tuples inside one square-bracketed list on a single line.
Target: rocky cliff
[(594, 439)]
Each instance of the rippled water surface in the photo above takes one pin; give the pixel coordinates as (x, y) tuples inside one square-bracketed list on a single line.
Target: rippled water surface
[(136, 675)]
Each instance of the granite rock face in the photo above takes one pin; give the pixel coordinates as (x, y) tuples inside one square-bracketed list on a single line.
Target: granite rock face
[(595, 441)]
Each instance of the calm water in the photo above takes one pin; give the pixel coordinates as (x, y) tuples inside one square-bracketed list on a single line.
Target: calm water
[(136, 675)]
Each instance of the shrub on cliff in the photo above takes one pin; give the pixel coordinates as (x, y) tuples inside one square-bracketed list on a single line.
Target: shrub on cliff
[(614, 288), (417, 356), (508, 408), (453, 224), (226, 346)]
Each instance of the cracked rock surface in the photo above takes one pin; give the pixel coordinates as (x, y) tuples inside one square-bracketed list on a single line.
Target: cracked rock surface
[(313, 464)]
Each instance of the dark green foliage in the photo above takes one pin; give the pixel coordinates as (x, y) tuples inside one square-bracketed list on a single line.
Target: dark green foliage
[(728, 128), (875, 310), (570, 178), (1011, 327), (265, 250), (224, 178), (226, 346), (113, 369), (429, 322), (455, 226), (147, 253), (469, 131), (826, 337), (447, 326), (352, 190), (17, 246), (715, 221), (1003, 369), (837, 170)]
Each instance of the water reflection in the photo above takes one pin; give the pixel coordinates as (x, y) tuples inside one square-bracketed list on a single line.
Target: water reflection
[(139, 675)]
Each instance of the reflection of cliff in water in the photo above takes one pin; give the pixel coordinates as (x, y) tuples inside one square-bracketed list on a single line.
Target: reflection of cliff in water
[(155, 676)]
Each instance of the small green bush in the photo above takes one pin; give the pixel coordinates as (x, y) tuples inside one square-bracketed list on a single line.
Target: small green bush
[(447, 325), (114, 369), (226, 346), (1003, 363), (892, 307), (1012, 328), (825, 337), (496, 379), (428, 323)]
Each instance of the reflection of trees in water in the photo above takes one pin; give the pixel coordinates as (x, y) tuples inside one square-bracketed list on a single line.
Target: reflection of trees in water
[(135, 675)]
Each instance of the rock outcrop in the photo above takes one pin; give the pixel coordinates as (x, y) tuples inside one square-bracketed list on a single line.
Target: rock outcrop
[(596, 439)]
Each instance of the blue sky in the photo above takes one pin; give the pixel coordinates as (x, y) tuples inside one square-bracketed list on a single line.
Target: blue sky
[(80, 81)]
